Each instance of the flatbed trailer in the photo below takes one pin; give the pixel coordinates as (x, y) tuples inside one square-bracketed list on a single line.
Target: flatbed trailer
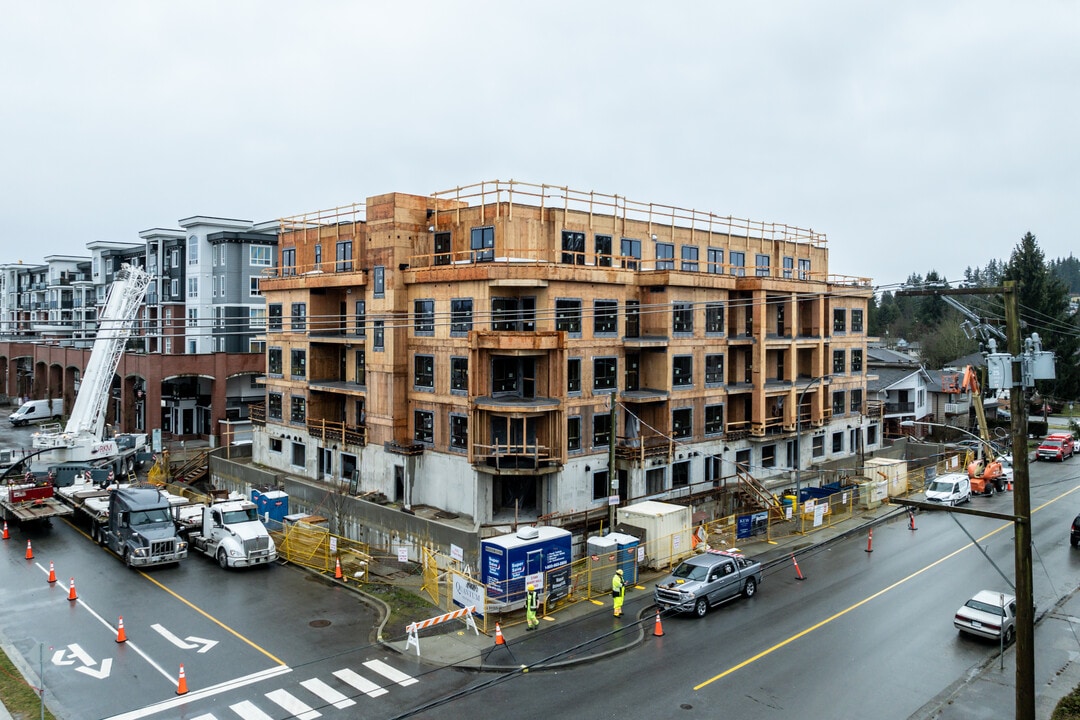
[(34, 501)]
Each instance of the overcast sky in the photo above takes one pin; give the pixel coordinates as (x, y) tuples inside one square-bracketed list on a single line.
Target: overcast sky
[(916, 135)]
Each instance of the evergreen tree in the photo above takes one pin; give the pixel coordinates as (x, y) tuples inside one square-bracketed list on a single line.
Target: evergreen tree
[(1044, 308)]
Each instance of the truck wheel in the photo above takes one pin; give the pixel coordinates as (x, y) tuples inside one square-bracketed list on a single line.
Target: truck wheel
[(127, 556), (130, 466), (990, 489), (222, 559), (750, 588), (701, 607)]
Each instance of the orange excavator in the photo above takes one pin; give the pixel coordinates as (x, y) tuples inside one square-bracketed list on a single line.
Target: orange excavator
[(984, 471)]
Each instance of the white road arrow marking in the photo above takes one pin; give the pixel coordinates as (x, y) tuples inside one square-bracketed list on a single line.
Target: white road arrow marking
[(106, 668), (75, 652), (58, 658), (81, 654), (191, 643)]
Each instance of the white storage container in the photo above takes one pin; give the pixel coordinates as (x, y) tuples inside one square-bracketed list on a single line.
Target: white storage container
[(667, 530)]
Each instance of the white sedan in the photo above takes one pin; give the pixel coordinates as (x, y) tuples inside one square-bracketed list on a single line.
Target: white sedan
[(990, 614)]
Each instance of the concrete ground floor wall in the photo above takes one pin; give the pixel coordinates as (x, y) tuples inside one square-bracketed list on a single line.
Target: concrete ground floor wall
[(489, 495)]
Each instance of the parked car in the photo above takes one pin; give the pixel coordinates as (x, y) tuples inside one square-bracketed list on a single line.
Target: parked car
[(1074, 532), (949, 489), (1055, 446), (990, 614)]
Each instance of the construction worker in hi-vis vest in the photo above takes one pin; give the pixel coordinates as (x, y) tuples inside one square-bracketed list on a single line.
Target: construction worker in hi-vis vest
[(618, 591), (532, 604)]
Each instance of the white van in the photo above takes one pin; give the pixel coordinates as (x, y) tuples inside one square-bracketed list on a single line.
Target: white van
[(950, 489), (36, 411)]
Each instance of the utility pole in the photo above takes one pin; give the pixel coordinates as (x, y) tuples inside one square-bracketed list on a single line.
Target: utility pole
[(1025, 606), (1017, 381)]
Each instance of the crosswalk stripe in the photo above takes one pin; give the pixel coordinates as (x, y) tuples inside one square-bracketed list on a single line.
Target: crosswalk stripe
[(293, 704), (207, 716), (328, 693), (248, 711), (359, 682), (390, 673)]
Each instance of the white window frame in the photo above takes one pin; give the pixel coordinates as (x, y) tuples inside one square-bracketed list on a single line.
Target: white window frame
[(256, 256), (253, 286), (193, 288)]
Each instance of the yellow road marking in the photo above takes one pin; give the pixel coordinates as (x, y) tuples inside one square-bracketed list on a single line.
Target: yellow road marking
[(862, 602), (213, 619), (185, 601)]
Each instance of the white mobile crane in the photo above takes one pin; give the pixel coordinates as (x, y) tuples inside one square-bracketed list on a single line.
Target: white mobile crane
[(81, 440)]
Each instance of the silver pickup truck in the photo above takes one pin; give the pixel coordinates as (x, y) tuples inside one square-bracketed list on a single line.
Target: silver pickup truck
[(709, 579)]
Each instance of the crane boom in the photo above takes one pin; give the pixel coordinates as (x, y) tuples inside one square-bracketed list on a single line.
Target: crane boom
[(81, 438), (114, 329)]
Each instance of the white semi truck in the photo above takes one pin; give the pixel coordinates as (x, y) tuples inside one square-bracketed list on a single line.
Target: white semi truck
[(230, 532)]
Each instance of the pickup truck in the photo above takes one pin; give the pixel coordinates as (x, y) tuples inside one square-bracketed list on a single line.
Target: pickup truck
[(702, 581)]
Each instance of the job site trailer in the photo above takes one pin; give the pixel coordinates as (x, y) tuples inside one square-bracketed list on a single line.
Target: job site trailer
[(533, 555), (664, 530)]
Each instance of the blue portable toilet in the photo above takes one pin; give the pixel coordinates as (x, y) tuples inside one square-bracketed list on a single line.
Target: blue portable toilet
[(272, 503), (626, 546), (509, 562)]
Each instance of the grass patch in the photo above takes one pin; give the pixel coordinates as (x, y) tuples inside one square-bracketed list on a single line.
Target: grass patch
[(1068, 708), (21, 700), (405, 607)]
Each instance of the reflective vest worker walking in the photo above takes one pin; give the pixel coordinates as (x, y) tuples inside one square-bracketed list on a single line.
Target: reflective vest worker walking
[(618, 591), (532, 604)]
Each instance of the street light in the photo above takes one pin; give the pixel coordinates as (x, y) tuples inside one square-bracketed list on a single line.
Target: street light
[(798, 443)]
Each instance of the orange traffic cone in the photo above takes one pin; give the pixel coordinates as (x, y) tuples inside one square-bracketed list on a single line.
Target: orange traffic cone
[(499, 639), (29, 551), (870, 541), (71, 592), (52, 572), (121, 636), (798, 572), (658, 631), (181, 683), (6, 534), (337, 570), (1008, 488)]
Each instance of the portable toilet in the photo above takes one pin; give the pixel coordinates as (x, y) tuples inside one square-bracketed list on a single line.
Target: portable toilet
[(533, 555), (272, 503), (627, 546), (603, 561)]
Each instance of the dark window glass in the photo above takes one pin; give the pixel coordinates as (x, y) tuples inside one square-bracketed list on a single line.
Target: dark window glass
[(568, 316), (298, 364), (605, 317), (573, 375), (424, 317), (603, 250), (714, 419), (682, 422), (604, 373), (273, 361), (459, 374), (715, 258), (573, 245), (461, 315), (601, 433), (631, 252), (482, 243), (714, 369), (682, 371), (459, 432), (689, 258), (573, 433), (424, 371), (665, 256), (424, 426), (682, 318)]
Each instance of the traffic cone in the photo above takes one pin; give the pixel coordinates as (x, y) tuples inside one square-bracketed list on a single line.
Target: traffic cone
[(71, 592), (658, 631), (911, 520), (798, 572), (29, 551), (52, 573), (181, 683), (121, 636), (870, 541), (6, 534), (1008, 488), (499, 640), (337, 570)]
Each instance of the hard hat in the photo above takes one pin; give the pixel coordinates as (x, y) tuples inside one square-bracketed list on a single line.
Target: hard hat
[(531, 587), (619, 572)]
